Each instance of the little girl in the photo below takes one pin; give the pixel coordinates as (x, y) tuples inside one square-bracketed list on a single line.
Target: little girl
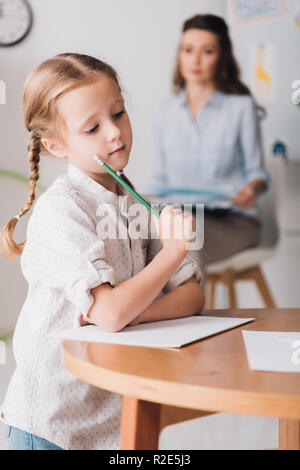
[(73, 109)]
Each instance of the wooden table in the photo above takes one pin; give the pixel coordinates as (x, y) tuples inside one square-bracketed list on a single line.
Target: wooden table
[(161, 386)]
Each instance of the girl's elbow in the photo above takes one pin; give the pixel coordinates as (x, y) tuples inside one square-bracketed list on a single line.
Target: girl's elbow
[(108, 326), (115, 324), (119, 322), (107, 319), (113, 328)]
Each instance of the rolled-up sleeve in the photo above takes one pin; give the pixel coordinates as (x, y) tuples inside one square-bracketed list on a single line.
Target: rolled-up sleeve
[(251, 144), (64, 251)]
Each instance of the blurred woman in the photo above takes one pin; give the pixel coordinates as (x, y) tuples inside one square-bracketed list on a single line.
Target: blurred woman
[(207, 135)]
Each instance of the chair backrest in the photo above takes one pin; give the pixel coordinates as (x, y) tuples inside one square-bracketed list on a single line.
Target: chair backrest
[(271, 203)]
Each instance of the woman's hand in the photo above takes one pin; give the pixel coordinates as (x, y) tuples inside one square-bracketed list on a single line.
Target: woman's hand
[(246, 197)]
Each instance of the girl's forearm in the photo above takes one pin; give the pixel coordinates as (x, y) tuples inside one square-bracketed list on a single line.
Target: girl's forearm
[(128, 299), (184, 301)]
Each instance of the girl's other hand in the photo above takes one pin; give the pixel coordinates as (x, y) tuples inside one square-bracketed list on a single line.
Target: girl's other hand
[(175, 230), (246, 197)]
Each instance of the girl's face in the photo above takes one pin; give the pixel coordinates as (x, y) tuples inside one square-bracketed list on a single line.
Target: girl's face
[(96, 123), (198, 56)]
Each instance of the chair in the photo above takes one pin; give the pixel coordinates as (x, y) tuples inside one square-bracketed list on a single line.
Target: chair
[(246, 265)]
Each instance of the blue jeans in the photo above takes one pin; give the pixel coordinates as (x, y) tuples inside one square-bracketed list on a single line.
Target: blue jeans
[(16, 439)]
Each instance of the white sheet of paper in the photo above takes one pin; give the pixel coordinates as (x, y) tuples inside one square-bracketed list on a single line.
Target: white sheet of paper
[(160, 334), (274, 351)]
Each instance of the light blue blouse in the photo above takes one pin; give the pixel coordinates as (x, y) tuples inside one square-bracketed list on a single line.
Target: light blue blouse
[(219, 149)]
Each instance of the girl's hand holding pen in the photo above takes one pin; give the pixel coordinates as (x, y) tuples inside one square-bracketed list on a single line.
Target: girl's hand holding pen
[(175, 230)]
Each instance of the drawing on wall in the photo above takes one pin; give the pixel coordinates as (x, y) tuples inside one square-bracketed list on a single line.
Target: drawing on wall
[(280, 149), (296, 93), (295, 8), (2, 92), (251, 10), (262, 71)]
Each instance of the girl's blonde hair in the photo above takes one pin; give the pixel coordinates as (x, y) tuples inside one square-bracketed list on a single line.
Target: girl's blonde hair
[(43, 87)]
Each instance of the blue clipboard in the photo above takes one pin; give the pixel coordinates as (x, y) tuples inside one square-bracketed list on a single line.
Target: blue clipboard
[(212, 193)]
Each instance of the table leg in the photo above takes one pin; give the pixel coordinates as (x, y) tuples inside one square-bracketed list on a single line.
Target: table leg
[(289, 434), (140, 424)]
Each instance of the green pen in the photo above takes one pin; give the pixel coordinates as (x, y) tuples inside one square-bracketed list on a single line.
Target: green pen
[(126, 186)]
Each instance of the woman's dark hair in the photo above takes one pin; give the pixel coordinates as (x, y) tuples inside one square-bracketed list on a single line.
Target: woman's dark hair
[(227, 77)]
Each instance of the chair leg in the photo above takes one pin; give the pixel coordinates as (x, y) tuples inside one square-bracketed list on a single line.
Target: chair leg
[(228, 278), (263, 287), (212, 293)]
